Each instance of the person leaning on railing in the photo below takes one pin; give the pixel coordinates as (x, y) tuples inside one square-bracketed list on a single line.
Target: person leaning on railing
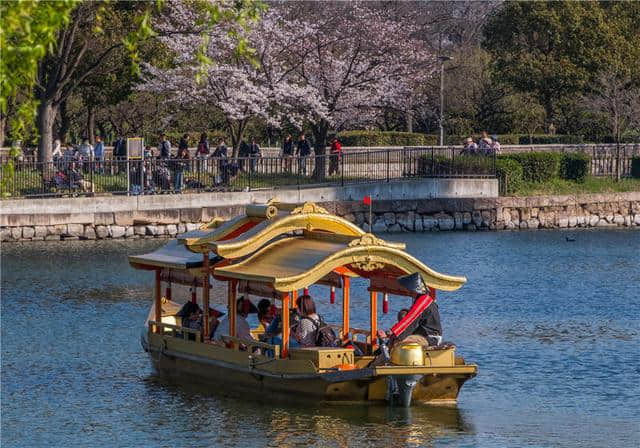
[(336, 156), (180, 164), (303, 151), (287, 152)]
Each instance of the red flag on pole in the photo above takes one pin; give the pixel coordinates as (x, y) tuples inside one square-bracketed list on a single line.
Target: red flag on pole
[(367, 200)]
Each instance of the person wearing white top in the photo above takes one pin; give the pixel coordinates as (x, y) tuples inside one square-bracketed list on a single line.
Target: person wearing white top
[(243, 331), (86, 150), (57, 150)]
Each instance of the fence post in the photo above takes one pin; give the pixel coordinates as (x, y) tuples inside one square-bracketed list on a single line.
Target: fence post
[(388, 164), (344, 159), (128, 178), (248, 165)]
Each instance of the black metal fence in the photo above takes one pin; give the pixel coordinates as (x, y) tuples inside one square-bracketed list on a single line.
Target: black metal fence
[(160, 176)]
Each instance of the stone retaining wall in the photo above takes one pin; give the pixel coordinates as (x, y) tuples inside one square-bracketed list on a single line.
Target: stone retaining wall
[(507, 213)]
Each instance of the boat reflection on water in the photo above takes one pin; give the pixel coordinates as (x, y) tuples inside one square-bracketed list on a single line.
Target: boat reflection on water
[(201, 413)]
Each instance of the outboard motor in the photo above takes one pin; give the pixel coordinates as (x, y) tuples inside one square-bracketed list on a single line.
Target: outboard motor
[(400, 387)]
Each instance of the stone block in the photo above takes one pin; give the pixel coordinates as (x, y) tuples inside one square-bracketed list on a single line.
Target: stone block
[(139, 230), (191, 226), (476, 217), (593, 220), (16, 233), (510, 225), (627, 221), (394, 228), (379, 226), (365, 227), (389, 218), (524, 225), (123, 218), (75, 230), (350, 217), (429, 222), (605, 223), (534, 212), (417, 225), (151, 230), (457, 219), (172, 229), (52, 238), (532, 223), (37, 238), (404, 205), (182, 228), (636, 219), (472, 227), (563, 222), (360, 218), (70, 238), (28, 232), (162, 230), (129, 232), (89, 233), (486, 218), (117, 231), (581, 220), (618, 220), (103, 218), (573, 221), (40, 231), (102, 232), (609, 217), (466, 218), (445, 222), (57, 230), (5, 233)]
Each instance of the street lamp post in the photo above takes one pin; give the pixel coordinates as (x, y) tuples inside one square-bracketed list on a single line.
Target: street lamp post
[(442, 60)]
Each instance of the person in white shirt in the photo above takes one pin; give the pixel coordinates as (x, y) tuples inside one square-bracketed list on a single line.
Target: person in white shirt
[(243, 331), (57, 149), (86, 150)]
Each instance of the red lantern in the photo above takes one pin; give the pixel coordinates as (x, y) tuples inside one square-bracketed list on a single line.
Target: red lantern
[(385, 303), (333, 294)]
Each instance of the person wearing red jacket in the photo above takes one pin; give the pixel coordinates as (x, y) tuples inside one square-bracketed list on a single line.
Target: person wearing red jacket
[(335, 157), (423, 318)]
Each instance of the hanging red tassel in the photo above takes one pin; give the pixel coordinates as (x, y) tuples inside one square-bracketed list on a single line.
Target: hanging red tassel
[(306, 291), (385, 303), (193, 295), (333, 294)]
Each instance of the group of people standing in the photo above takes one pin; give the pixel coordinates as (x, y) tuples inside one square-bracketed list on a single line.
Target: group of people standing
[(485, 146), (302, 151)]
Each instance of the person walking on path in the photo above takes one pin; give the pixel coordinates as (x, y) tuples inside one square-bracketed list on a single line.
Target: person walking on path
[(303, 151), (120, 153), (184, 143), (164, 147), (287, 152), (202, 153), (243, 154), (180, 165), (335, 157), (221, 153), (98, 154), (254, 153)]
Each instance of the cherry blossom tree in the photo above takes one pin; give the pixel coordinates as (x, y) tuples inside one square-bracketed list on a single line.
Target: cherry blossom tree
[(356, 59)]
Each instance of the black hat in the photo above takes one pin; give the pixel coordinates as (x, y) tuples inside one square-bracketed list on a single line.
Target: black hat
[(413, 282), (187, 309)]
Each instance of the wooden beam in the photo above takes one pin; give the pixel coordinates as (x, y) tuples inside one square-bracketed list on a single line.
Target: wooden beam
[(374, 320), (158, 300), (232, 307), (294, 299), (205, 296), (284, 353), (346, 286)]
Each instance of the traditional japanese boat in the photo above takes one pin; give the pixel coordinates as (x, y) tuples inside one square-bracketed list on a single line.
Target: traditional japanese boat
[(276, 250)]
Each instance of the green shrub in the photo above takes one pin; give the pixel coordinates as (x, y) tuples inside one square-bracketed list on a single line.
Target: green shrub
[(385, 138), (538, 166), (575, 166), (509, 173), (635, 167), (544, 139), (459, 166)]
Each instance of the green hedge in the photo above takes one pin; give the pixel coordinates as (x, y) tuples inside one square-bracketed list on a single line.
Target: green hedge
[(538, 166), (460, 165), (544, 139), (575, 166), (385, 138), (509, 173), (635, 167)]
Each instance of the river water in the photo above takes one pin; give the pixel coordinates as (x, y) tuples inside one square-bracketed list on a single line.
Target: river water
[(553, 325)]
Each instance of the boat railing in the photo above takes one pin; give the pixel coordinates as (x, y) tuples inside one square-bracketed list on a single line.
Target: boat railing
[(252, 346), (353, 333), (174, 330)]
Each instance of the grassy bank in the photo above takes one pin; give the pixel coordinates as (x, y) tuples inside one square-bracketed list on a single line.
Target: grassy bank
[(590, 185)]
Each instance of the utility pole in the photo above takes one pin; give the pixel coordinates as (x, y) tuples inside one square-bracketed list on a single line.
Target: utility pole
[(442, 60)]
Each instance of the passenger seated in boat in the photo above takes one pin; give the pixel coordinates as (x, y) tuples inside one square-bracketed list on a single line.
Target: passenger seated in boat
[(243, 331), (422, 322), (266, 314), (305, 331), (191, 317)]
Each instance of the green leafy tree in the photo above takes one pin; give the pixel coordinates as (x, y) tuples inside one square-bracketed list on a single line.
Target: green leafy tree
[(550, 49)]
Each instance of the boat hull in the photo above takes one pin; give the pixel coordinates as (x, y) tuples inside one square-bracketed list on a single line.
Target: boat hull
[(219, 369)]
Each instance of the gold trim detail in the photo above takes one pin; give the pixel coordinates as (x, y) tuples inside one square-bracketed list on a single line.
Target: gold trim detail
[(369, 239), (309, 207)]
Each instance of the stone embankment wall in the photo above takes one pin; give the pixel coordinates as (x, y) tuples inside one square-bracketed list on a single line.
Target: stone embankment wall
[(405, 215)]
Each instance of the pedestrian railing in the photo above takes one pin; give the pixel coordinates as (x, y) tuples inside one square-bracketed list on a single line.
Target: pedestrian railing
[(160, 176)]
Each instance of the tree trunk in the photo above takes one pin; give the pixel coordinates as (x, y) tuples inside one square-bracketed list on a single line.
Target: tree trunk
[(409, 120), (46, 117), (91, 125), (319, 144), (65, 123), (3, 128), (103, 131)]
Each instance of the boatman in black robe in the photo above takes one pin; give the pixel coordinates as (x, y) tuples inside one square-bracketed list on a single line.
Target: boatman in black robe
[(423, 318)]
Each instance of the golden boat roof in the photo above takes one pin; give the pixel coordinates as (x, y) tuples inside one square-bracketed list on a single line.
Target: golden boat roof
[(291, 246), (296, 262)]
